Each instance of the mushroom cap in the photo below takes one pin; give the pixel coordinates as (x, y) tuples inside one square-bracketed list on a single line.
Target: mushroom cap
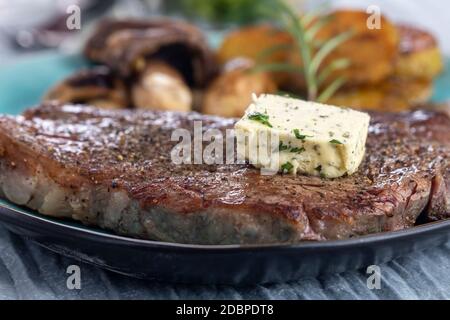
[(126, 45), (97, 86)]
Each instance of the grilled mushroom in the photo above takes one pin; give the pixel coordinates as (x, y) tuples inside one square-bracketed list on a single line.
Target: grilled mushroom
[(97, 86), (127, 47), (163, 61), (161, 87)]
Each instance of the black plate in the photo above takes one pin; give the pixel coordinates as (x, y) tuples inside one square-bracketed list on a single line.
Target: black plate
[(237, 265)]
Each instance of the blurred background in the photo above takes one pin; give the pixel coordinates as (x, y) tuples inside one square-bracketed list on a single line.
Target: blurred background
[(28, 26), (402, 66)]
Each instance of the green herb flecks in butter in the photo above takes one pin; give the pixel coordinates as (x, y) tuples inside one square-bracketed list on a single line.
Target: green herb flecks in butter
[(300, 136), (260, 117), (298, 150), (287, 167), (283, 147)]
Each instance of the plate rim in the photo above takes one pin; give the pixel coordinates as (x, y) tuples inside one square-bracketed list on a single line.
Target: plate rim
[(35, 217)]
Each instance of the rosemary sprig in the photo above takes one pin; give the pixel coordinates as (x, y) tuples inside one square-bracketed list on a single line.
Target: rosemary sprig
[(313, 54), (277, 67)]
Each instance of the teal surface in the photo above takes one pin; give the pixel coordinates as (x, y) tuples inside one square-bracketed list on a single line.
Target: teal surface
[(442, 85), (23, 83)]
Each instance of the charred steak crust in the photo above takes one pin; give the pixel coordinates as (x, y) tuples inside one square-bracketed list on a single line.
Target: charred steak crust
[(113, 169)]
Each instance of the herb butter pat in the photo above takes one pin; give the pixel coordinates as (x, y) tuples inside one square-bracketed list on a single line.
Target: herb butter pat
[(314, 139)]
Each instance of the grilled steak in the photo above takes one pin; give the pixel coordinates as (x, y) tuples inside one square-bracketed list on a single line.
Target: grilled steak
[(113, 169)]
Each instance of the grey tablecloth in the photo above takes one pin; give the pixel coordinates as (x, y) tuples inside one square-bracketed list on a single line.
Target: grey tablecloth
[(28, 271)]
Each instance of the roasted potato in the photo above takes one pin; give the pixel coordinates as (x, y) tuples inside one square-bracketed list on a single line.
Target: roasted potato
[(371, 53), (161, 87), (231, 93), (419, 61), (420, 56), (251, 42), (392, 95)]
